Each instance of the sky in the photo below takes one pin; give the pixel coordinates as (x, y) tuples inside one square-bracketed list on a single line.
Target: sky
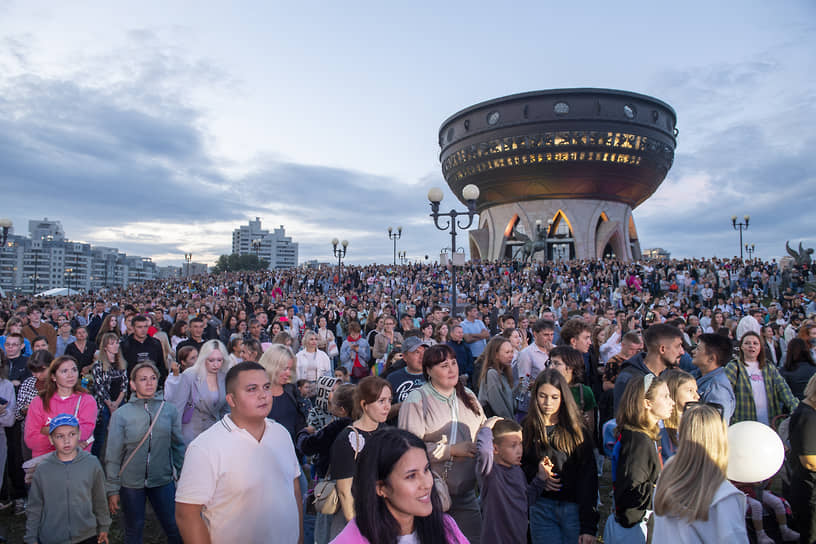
[(159, 127)]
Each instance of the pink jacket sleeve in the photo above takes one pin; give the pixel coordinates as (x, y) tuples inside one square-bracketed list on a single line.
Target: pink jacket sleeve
[(87, 418), (35, 419), (459, 538)]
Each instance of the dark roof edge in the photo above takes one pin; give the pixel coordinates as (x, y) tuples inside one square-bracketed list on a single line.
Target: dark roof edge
[(577, 90)]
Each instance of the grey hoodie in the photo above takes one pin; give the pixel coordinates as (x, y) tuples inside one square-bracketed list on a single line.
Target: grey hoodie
[(67, 502), (153, 464)]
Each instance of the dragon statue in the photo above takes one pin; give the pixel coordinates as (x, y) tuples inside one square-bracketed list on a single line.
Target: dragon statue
[(801, 257)]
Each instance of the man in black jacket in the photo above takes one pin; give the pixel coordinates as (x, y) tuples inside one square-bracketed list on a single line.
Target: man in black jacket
[(195, 337), (139, 347), (664, 345)]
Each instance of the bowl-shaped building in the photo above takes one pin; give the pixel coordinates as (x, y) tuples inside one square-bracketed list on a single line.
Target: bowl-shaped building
[(559, 171)]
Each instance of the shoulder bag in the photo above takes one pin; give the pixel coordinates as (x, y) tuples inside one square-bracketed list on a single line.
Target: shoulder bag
[(326, 499), (142, 441)]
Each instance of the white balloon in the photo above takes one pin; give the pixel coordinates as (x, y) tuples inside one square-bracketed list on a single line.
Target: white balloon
[(755, 452)]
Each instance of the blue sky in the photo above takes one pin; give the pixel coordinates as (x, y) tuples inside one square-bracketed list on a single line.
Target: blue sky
[(158, 127)]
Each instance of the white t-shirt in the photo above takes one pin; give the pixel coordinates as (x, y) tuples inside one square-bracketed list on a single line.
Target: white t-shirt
[(760, 395), (246, 486)]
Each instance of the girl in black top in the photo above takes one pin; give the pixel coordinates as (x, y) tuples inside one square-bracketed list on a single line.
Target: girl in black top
[(637, 463), (372, 402), (566, 512)]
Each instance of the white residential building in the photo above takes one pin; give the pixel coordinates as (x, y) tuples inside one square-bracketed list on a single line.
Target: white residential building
[(275, 247)]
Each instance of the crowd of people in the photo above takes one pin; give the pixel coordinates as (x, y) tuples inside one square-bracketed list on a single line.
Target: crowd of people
[(353, 405)]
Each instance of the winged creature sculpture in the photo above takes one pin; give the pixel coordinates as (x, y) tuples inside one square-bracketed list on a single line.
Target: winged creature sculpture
[(802, 257)]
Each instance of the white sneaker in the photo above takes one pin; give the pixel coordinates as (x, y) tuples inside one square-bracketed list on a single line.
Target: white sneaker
[(788, 534), (763, 538)]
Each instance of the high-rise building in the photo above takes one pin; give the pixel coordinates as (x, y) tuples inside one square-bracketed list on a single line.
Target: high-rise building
[(45, 259), (275, 247)]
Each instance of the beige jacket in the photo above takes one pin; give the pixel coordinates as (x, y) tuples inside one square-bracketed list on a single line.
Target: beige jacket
[(441, 422)]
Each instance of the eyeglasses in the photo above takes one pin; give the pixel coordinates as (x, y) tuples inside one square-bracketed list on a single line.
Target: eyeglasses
[(717, 406)]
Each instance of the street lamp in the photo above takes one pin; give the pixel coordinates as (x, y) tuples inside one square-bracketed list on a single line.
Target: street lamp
[(740, 226), (5, 225), (339, 252), (402, 257), (470, 193), (256, 245), (188, 257), (395, 236), (750, 249)]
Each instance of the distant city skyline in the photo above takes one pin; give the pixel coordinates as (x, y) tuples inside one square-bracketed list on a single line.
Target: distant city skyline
[(161, 131)]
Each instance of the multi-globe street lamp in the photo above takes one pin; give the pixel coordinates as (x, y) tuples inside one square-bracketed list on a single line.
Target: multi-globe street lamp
[(339, 253), (750, 248), (471, 194), (740, 226), (188, 257), (395, 236), (5, 225)]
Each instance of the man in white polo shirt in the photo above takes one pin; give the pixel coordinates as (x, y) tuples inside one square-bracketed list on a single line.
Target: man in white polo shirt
[(240, 477)]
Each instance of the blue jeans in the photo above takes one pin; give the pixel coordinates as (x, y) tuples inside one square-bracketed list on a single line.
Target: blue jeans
[(162, 499), (100, 432), (554, 521), (615, 533)]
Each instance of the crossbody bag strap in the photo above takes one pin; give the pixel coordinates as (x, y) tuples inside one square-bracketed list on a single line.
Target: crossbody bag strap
[(76, 410), (142, 441)]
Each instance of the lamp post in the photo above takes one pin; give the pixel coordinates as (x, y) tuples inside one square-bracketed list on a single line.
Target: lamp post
[(36, 267), (402, 257), (5, 225), (750, 249), (470, 193), (395, 236), (256, 245), (740, 226), (188, 257), (339, 253)]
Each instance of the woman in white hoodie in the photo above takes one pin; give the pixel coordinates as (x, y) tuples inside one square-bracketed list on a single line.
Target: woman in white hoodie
[(694, 503)]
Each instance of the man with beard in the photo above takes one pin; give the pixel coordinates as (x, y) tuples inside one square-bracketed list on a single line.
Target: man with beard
[(664, 345)]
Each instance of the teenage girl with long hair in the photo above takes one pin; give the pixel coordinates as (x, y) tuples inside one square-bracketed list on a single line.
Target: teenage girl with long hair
[(553, 431), (636, 464), (694, 502)]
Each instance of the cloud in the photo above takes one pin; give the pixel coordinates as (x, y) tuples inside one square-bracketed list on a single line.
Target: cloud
[(124, 167), (743, 149)]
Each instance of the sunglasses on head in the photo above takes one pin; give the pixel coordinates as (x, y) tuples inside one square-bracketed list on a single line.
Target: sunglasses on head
[(715, 405)]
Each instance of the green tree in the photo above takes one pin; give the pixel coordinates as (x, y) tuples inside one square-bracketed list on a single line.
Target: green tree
[(238, 263)]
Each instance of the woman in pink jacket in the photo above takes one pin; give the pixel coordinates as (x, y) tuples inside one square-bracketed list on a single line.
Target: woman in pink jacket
[(62, 395), (395, 497)]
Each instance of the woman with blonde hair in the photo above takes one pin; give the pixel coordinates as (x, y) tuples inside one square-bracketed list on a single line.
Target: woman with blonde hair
[(167, 351), (200, 396), (110, 381), (682, 389), (311, 362), (287, 409), (694, 502), (636, 463)]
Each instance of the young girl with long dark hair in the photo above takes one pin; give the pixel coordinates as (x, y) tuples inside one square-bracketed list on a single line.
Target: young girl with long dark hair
[(395, 497), (553, 431)]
